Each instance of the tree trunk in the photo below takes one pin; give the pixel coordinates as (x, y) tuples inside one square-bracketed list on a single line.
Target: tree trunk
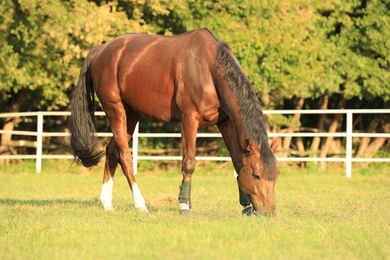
[(320, 125), (337, 120), (365, 141), (301, 150), (300, 146), (14, 106), (6, 138), (287, 139), (374, 147), (371, 148)]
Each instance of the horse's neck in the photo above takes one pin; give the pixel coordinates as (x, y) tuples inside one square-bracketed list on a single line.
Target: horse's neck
[(239, 102), (231, 107)]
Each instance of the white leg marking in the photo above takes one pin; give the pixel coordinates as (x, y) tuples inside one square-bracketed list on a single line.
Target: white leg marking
[(106, 195), (184, 206), (139, 202)]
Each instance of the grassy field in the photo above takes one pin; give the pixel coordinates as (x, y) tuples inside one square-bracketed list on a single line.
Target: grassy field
[(57, 215)]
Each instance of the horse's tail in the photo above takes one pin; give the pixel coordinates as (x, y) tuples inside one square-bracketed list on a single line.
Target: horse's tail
[(83, 138)]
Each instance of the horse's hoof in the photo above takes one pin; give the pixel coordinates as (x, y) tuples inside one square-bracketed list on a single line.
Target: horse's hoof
[(248, 210), (142, 209), (185, 212), (184, 208)]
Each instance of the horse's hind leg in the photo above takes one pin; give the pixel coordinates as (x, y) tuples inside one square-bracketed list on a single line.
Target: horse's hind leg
[(139, 202), (123, 122), (112, 159)]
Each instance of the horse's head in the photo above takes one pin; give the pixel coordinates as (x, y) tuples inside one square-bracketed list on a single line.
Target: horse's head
[(258, 177)]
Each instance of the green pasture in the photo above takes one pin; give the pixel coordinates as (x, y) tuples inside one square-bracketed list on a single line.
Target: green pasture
[(320, 215)]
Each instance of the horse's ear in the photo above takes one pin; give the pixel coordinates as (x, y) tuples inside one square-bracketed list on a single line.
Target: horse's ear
[(275, 144), (252, 148)]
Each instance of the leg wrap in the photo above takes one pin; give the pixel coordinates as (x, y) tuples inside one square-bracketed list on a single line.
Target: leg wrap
[(185, 192)]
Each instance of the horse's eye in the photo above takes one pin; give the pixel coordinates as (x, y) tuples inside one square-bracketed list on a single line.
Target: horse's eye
[(256, 177)]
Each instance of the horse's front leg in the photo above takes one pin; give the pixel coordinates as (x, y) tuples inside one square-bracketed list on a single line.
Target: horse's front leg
[(188, 139), (230, 138)]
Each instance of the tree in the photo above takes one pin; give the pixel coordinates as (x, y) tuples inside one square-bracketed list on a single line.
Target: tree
[(45, 43), (297, 54)]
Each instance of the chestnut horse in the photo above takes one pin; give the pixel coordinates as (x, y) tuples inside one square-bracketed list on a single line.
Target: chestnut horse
[(191, 78)]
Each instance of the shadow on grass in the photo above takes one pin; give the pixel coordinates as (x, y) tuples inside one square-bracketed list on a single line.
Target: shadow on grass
[(48, 202)]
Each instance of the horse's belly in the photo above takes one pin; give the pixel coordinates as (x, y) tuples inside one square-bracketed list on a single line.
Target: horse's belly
[(156, 103)]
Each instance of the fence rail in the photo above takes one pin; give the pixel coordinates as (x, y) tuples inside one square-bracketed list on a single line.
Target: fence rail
[(348, 134)]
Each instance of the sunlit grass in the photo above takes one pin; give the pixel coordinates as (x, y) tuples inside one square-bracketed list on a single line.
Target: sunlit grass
[(57, 215)]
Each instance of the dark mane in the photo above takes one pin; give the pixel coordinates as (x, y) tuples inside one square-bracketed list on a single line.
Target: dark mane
[(253, 119), (212, 34)]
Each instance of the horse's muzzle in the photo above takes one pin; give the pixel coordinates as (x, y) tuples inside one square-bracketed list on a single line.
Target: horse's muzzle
[(264, 213)]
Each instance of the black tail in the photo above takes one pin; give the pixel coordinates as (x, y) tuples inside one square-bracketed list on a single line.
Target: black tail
[(83, 138)]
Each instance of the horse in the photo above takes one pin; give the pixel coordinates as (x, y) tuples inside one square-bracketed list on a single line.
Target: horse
[(192, 78)]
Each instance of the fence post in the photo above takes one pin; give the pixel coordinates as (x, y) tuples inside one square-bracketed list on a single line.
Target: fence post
[(348, 156), (135, 148), (38, 164)]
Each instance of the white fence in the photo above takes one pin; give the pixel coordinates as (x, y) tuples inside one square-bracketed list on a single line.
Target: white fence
[(348, 134)]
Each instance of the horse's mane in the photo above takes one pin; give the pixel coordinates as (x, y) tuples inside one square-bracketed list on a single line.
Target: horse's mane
[(253, 119)]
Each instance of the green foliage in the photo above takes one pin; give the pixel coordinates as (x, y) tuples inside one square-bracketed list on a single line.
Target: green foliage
[(307, 49), (47, 41), (360, 31), (283, 121)]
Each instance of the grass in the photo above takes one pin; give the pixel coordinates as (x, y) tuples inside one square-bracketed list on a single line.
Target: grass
[(57, 215)]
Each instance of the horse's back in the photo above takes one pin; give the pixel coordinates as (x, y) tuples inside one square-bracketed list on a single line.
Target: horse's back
[(159, 75)]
